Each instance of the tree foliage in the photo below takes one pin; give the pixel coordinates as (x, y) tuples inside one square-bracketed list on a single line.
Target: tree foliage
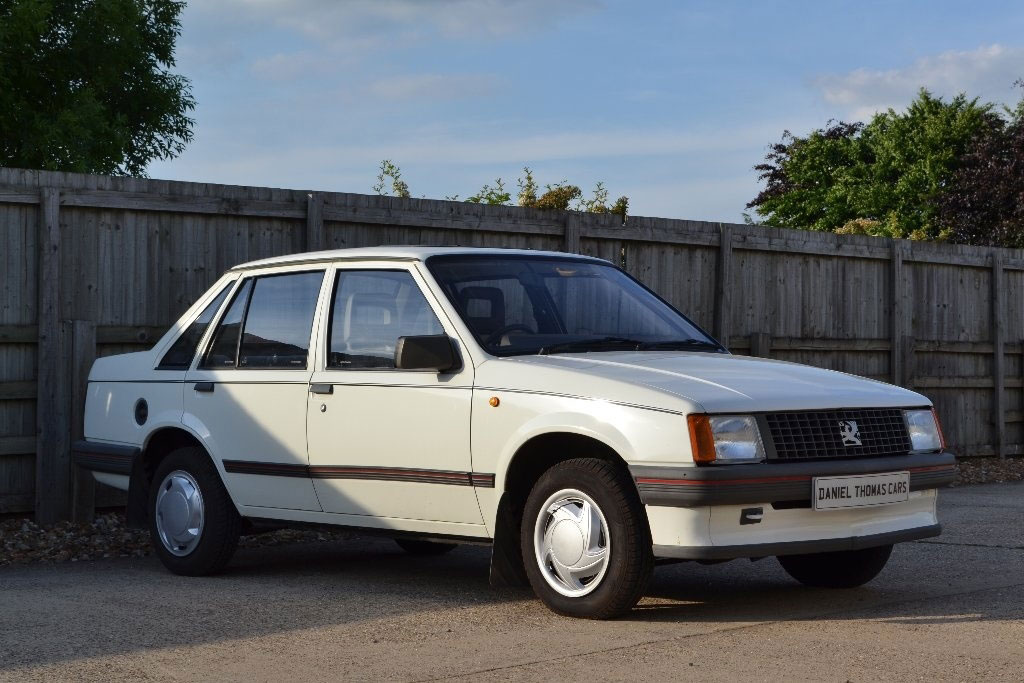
[(85, 85), (884, 178), (559, 196), (985, 200)]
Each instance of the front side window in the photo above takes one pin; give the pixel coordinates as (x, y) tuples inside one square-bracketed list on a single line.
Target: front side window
[(370, 310), (518, 305), (269, 324), (179, 356)]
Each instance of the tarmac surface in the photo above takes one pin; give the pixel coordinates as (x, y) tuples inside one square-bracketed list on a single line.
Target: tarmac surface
[(949, 608)]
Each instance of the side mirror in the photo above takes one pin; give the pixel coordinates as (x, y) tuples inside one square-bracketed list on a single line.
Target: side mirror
[(426, 352)]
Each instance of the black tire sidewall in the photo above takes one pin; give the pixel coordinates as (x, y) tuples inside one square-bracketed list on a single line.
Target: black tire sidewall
[(630, 560), (843, 569), (221, 523)]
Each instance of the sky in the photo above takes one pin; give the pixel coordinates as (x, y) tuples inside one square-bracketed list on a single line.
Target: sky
[(668, 103)]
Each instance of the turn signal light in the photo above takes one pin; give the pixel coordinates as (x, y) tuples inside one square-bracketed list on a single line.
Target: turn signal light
[(938, 428), (702, 441)]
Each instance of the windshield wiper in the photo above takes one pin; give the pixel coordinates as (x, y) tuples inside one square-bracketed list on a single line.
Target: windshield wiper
[(620, 343), (599, 344), (677, 345)]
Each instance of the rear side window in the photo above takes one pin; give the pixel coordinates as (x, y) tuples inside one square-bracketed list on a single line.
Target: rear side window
[(179, 356), (268, 324), (371, 310), (279, 321)]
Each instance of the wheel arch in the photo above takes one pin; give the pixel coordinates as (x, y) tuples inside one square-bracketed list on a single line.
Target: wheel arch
[(531, 459), (158, 445)]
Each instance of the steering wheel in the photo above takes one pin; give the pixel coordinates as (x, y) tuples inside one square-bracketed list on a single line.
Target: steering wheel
[(499, 333)]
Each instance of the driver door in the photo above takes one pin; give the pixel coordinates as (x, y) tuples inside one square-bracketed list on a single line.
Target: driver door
[(385, 442)]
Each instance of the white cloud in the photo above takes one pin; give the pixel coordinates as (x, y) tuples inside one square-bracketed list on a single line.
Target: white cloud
[(334, 21), (987, 72), (431, 86)]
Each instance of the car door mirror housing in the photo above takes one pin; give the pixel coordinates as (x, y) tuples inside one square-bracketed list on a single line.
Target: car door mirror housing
[(427, 352)]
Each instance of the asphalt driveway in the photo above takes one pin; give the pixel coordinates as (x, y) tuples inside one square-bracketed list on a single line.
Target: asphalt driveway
[(950, 608)]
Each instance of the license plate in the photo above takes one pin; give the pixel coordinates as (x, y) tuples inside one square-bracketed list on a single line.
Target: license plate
[(862, 490)]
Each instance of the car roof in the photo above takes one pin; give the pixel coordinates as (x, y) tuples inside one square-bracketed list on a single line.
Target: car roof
[(399, 253)]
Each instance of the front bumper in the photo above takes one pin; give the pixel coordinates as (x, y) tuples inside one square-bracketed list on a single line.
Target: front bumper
[(799, 547), (783, 482)]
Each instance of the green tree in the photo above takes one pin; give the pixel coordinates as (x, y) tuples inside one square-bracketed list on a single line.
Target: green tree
[(85, 85), (984, 202), (390, 171), (559, 196), (882, 178)]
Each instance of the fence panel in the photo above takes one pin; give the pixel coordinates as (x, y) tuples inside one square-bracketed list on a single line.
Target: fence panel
[(132, 254)]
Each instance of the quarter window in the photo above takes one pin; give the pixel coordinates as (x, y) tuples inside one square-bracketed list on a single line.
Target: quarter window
[(179, 356), (370, 311), (224, 348)]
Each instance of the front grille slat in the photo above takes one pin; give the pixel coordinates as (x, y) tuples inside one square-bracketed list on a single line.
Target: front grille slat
[(817, 434)]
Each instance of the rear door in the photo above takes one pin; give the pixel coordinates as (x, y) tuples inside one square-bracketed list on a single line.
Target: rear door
[(247, 396)]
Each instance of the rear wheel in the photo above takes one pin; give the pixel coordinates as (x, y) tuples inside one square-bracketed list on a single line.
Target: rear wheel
[(417, 547), (842, 569), (192, 521), (584, 540)]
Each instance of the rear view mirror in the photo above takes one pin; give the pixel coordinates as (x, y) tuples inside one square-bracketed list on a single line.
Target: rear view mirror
[(426, 352)]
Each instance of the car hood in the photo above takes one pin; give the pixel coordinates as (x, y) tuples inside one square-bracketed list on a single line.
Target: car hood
[(715, 382)]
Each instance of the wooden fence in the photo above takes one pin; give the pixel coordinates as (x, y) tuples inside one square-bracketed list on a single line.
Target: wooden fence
[(99, 265)]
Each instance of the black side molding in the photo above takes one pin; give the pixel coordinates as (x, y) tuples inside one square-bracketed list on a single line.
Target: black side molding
[(104, 457)]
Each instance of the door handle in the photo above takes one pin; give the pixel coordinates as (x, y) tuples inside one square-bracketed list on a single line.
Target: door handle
[(205, 387), (321, 388)]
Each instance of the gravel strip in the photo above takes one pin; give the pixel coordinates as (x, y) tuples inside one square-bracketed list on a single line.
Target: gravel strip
[(22, 541), (989, 470)]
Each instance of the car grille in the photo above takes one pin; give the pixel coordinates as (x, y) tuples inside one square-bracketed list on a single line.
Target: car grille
[(818, 434)]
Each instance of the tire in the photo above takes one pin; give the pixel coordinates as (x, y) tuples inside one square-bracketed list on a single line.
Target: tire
[(603, 588), (188, 543), (843, 569), (424, 548)]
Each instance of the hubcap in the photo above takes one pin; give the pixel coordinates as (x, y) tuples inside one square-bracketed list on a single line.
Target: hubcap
[(179, 513), (571, 543)]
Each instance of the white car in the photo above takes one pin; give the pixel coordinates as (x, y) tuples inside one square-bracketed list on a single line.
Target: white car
[(544, 403)]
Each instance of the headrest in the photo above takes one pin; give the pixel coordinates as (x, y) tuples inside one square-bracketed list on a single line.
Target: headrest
[(484, 308)]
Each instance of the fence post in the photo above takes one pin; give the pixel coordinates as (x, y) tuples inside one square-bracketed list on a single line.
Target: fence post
[(572, 232), (723, 285), (315, 237), (83, 353), (53, 471), (761, 345), (908, 361), (998, 357), (896, 313)]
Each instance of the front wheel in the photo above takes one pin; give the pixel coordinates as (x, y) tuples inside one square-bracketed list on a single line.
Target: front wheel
[(584, 540), (842, 569), (192, 521)]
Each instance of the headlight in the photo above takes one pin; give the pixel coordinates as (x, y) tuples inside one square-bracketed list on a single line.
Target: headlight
[(725, 439), (924, 430)]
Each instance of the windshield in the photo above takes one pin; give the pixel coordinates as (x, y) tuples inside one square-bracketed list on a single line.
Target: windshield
[(518, 305)]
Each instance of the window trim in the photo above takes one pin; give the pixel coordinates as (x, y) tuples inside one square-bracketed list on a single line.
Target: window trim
[(329, 316), (201, 364)]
